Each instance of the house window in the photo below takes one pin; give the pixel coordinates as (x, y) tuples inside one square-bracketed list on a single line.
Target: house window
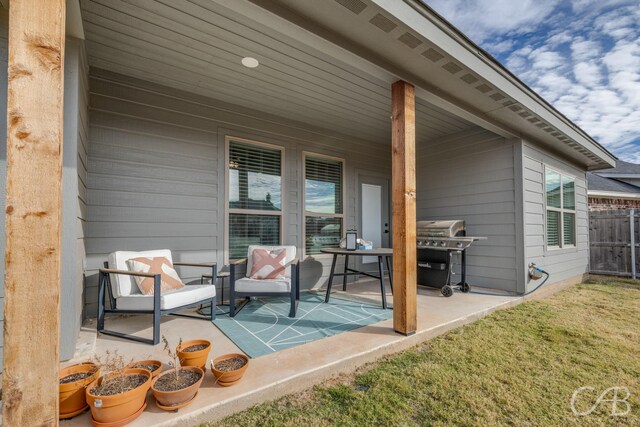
[(560, 209), (255, 196), (323, 202)]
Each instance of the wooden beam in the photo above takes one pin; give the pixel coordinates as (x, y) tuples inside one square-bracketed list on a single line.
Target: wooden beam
[(33, 212), (403, 159)]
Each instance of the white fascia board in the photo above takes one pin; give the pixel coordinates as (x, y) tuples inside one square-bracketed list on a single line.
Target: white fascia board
[(613, 194), (414, 14)]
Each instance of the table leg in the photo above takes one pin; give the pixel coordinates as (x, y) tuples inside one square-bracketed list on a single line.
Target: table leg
[(333, 267), (344, 278), (382, 290), (390, 274)]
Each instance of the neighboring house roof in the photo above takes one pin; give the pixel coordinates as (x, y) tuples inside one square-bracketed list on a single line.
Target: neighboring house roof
[(622, 170), (600, 186), (595, 182)]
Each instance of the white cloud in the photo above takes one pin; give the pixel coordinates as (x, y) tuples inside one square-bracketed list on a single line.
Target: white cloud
[(481, 19), (583, 56)]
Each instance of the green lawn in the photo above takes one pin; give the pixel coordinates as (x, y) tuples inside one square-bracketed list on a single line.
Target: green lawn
[(515, 367)]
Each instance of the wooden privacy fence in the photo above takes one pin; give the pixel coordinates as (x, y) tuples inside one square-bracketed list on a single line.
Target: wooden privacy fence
[(614, 239)]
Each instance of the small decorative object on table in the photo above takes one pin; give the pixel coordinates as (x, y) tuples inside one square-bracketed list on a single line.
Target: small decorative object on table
[(364, 245), (352, 240)]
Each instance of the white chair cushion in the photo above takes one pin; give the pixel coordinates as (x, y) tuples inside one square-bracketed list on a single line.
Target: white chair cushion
[(291, 254), (190, 294), (263, 285), (122, 285)]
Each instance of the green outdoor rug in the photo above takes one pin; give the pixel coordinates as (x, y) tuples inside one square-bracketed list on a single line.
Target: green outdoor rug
[(263, 326)]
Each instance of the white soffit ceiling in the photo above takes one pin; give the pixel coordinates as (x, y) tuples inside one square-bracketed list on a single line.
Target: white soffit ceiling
[(197, 46)]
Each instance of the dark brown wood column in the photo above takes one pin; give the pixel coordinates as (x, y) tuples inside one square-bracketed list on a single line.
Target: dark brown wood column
[(33, 212), (403, 142)]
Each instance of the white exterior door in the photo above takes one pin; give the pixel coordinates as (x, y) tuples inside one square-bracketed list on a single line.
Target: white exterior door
[(374, 215)]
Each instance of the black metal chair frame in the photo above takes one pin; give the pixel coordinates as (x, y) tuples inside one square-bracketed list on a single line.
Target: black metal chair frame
[(294, 293), (104, 285)]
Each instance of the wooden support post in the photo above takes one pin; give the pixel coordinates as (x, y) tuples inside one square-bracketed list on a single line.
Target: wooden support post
[(33, 212), (403, 142)]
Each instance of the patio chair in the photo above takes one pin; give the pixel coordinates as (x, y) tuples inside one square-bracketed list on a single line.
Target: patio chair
[(243, 286), (125, 296)]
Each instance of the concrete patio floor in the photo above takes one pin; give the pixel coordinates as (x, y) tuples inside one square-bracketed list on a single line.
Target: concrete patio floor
[(291, 370)]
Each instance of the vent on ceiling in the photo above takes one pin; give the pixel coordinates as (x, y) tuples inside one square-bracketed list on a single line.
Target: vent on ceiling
[(355, 6), (542, 125), (469, 78), (385, 24), (515, 108), (410, 40), (534, 120), (433, 55), (497, 96), (483, 88), (452, 67), (524, 114)]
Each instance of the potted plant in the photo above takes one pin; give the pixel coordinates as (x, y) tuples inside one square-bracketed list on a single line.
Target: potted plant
[(119, 396), (176, 388), (153, 366), (194, 353), (229, 368), (73, 381)]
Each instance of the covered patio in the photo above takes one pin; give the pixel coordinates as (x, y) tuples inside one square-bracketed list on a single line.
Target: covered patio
[(161, 100), (291, 370)]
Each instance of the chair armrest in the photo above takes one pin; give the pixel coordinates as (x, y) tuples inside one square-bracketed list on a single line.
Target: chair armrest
[(295, 261), (239, 261), (195, 264), (125, 272)]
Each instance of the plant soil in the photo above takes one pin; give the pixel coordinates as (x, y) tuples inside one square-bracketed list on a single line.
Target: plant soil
[(168, 382), (195, 347), (150, 367), (231, 364), (119, 385), (75, 377)]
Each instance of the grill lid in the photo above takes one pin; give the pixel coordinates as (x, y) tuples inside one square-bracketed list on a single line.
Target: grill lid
[(442, 228)]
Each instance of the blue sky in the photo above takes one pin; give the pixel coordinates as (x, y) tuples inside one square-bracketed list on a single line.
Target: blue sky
[(583, 56)]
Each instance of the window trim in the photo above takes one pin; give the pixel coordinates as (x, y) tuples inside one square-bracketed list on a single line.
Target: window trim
[(306, 213), (561, 210), (227, 210)]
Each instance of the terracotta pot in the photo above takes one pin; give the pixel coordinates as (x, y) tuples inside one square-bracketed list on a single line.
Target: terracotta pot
[(72, 395), (119, 407), (228, 378), (169, 400), (157, 363), (194, 358)]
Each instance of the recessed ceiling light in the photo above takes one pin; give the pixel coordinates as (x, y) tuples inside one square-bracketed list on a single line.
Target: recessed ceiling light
[(250, 62)]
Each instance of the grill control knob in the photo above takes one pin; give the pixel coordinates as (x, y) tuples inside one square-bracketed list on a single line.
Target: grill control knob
[(420, 242), (459, 244), (442, 243), (433, 243)]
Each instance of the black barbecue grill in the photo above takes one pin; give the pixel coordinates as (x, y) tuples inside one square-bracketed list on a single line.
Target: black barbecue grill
[(437, 243)]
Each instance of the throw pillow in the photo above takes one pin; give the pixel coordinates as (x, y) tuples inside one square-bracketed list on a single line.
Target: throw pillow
[(268, 264), (159, 265)]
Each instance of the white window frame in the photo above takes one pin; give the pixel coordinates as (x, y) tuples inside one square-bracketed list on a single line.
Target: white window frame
[(561, 210), (306, 213), (227, 210)]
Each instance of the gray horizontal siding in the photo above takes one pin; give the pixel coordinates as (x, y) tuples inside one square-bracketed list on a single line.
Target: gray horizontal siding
[(470, 176), (156, 173), (560, 263)]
